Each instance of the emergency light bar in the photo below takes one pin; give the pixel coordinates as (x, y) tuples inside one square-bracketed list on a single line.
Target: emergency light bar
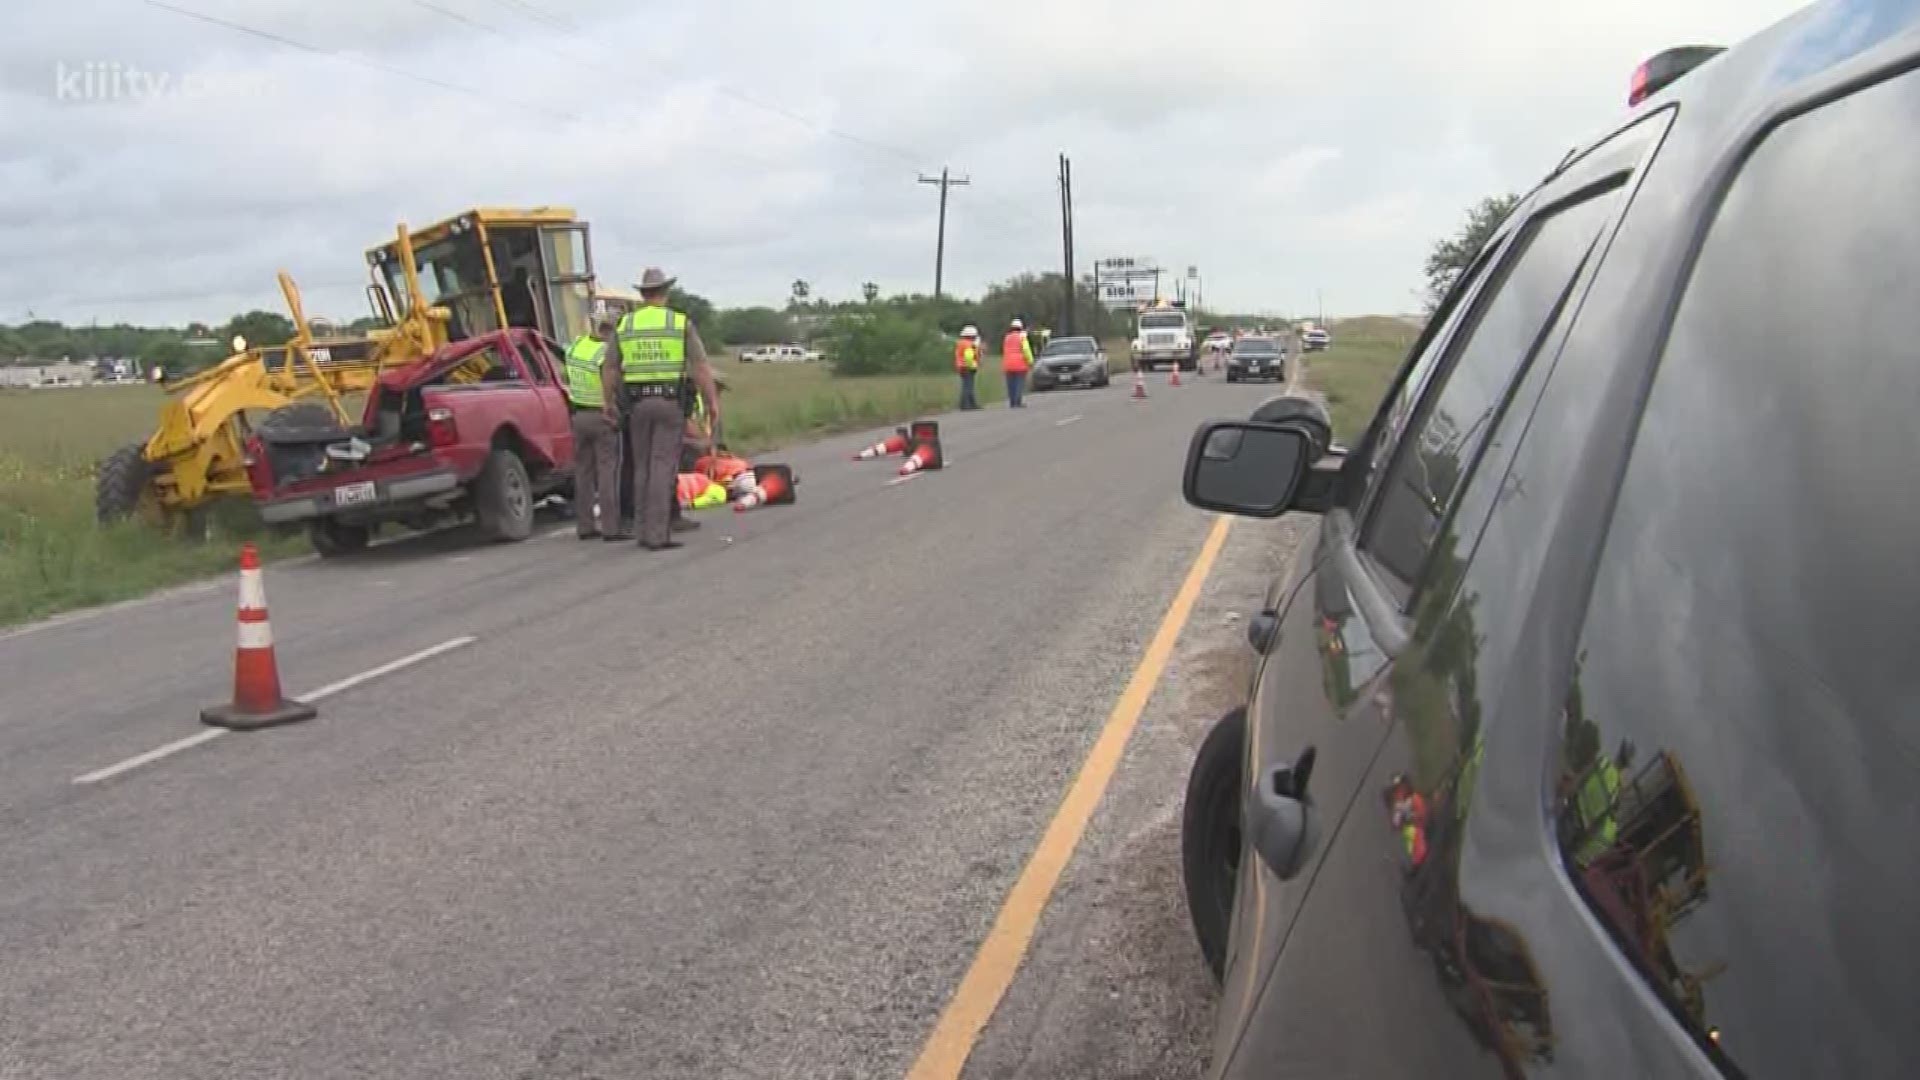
[(1664, 68)]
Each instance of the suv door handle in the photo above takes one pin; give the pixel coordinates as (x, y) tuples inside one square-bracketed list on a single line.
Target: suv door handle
[(1262, 629), (1280, 818)]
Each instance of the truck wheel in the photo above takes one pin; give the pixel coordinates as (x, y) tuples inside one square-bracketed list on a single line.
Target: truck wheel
[(332, 539), (1210, 837), (120, 483), (503, 496)]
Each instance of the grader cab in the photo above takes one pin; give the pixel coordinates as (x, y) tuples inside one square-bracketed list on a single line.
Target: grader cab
[(486, 269)]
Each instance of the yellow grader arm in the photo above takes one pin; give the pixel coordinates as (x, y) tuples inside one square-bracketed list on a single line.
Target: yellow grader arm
[(198, 453)]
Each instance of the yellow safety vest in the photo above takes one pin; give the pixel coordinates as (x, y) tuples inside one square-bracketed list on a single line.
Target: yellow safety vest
[(653, 345), (583, 371)]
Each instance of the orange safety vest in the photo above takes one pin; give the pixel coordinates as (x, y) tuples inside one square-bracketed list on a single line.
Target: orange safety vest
[(1013, 352), (966, 355)]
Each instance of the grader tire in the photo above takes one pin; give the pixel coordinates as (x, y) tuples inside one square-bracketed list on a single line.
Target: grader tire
[(121, 483)]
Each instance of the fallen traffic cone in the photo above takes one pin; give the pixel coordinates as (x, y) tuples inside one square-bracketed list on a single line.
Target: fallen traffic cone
[(892, 444), (1139, 386), (773, 486), (257, 702), (926, 452)]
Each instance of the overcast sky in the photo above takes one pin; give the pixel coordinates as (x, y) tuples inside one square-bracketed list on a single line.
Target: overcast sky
[(1285, 148)]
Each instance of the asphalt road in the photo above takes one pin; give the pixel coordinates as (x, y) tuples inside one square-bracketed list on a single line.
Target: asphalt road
[(744, 809)]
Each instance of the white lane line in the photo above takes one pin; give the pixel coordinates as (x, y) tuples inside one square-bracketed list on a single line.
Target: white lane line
[(1068, 420), (555, 534), (152, 755), (351, 681), (309, 697), (904, 479)]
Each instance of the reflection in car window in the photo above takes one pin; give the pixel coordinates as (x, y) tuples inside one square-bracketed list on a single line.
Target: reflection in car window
[(1735, 790), (1399, 406), (1426, 474)]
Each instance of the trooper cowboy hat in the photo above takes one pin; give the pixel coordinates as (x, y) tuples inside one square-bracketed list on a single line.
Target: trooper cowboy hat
[(654, 278)]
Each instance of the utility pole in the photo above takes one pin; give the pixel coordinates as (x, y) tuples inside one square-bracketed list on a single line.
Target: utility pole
[(1066, 239), (940, 244)]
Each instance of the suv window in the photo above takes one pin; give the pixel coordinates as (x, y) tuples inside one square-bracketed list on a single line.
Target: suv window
[(1439, 448), (1735, 785)]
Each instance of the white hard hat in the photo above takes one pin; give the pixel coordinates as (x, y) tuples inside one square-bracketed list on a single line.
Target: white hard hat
[(1017, 325), (970, 331)]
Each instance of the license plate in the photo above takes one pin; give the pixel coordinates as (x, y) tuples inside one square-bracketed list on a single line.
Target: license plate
[(355, 494)]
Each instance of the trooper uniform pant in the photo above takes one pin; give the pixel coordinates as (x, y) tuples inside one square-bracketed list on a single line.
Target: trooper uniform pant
[(596, 471), (655, 429)]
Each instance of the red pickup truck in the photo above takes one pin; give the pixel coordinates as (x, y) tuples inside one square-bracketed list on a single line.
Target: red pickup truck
[(480, 428)]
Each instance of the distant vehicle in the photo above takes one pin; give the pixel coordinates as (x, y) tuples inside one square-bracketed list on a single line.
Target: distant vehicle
[(1257, 358), (779, 354), (1315, 339), (1165, 336), (1567, 751), (1070, 361), (479, 427)]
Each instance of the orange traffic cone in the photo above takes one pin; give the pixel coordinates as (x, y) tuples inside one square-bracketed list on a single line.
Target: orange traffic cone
[(1139, 386), (257, 701), (1174, 379), (926, 452), (773, 486), (892, 444)]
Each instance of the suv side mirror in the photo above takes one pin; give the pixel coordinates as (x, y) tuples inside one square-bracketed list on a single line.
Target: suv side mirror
[(1246, 467)]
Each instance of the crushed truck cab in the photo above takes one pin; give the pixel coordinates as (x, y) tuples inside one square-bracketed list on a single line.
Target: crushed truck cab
[(480, 428)]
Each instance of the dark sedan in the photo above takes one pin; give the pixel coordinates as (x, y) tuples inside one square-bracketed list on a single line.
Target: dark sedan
[(1257, 358), (1070, 361)]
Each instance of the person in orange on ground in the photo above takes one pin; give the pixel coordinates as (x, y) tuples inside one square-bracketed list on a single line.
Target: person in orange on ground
[(966, 361), (1016, 359), (1409, 814)]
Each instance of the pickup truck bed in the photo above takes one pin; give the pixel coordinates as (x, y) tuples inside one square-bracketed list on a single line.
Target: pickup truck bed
[(481, 428)]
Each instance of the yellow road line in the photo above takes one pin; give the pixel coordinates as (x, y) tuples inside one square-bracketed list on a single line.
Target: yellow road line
[(995, 965)]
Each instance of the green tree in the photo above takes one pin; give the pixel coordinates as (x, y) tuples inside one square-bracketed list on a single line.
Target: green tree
[(885, 343), (258, 327), (694, 306), (1452, 255), (871, 291), (752, 326)]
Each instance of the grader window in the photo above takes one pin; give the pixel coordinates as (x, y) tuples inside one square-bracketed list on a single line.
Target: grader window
[(453, 275)]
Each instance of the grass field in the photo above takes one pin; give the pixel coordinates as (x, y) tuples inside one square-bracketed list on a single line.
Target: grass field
[(1354, 373), (54, 558)]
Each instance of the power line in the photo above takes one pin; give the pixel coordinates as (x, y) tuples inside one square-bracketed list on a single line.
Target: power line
[(907, 155), (911, 157), (568, 30), (353, 58), (529, 107)]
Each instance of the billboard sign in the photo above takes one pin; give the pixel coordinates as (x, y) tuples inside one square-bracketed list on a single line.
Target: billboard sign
[(1125, 283)]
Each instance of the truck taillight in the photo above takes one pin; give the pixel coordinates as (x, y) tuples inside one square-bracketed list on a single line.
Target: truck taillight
[(441, 430)]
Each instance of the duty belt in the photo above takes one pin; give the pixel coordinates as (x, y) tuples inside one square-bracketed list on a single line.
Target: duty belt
[(654, 389)]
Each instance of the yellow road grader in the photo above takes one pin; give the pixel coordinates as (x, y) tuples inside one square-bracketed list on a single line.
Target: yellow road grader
[(482, 270)]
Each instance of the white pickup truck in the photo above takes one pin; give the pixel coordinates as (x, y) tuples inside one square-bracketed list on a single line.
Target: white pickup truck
[(779, 354)]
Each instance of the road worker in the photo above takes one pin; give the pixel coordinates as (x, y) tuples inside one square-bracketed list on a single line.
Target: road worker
[(966, 361), (653, 365), (1016, 359), (596, 434)]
